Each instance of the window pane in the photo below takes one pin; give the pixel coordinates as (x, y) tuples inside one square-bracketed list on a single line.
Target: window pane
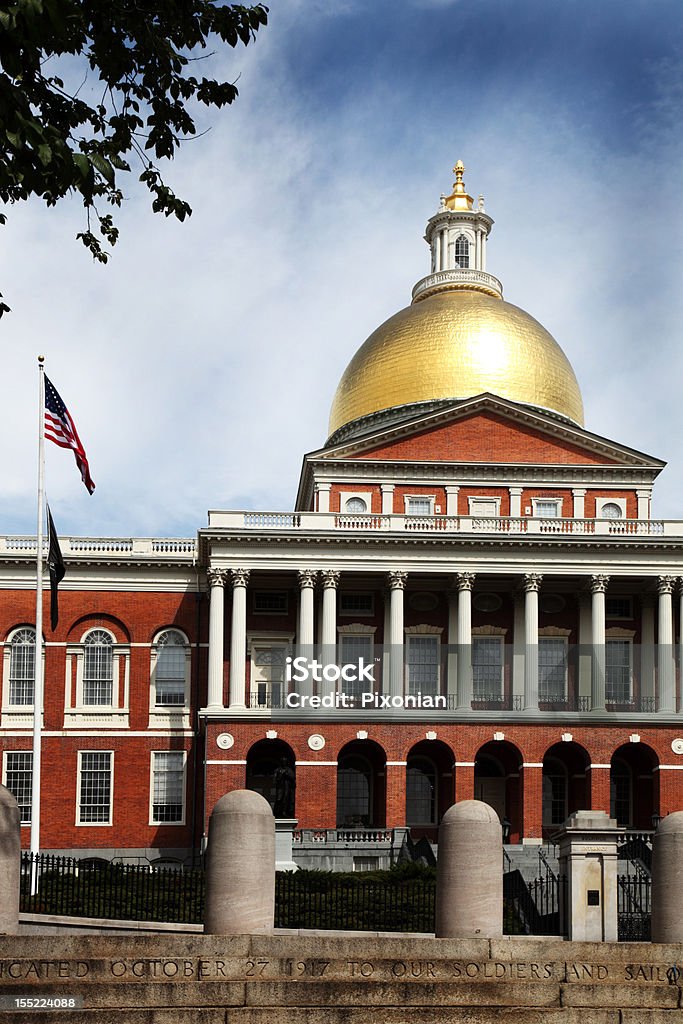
[(22, 667), (95, 795), (547, 509), (462, 252), (98, 669), (353, 792), (552, 668), (487, 668), (423, 664), (19, 779), (352, 648), (618, 671), (170, 669), (167, 782), (419, 506)]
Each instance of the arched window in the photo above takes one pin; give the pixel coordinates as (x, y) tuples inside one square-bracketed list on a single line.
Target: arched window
[(22, 666), (356, 506), (170, 669), (462, 252), (554, 792), (354, 792), (98, 668), (420, 792), (610, 510), (621, 792)]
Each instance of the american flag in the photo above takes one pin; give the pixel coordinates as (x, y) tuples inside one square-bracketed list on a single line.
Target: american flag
[(60, 428)]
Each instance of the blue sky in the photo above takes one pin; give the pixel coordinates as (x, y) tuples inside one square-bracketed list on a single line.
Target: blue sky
[(200, 364)]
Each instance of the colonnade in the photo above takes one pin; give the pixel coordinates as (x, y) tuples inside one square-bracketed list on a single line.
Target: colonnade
[(459, 669)]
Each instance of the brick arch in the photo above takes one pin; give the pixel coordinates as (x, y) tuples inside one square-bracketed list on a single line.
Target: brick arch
[(98, 620), (566, 783), (361, 768), (440, 754)]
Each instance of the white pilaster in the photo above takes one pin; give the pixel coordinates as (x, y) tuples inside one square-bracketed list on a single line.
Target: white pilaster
[(387, 499), (665, 646), (216, 578), (465, 583), (396, 582), (238, 637), (515, 502), (579, 495), (324, 497), (452, 493), (598, 587), (532, 585), (643, 497)]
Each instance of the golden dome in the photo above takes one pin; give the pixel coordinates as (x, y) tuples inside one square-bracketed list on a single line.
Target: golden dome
[(457, 344)]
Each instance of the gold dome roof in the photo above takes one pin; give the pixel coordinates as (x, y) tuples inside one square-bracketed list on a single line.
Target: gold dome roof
[(457, 344)]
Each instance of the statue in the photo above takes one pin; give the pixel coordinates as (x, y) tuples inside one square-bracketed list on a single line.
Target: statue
[(285, 785)]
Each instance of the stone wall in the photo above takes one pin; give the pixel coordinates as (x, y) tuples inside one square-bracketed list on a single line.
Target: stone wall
[(332, 979)]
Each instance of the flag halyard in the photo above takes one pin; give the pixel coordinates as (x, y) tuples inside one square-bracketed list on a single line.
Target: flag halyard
[(61, 429)]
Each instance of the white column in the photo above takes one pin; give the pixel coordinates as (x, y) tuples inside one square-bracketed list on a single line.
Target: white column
[(452, 493), (579, 495), (437, 252), (306, 631), (324, 497), (238, 637), (643, 503), (444, 250), (680, 645), (216, 578), (598, 587), (515, 502), (483, 250), (465, 582), (452, 663), (665, 646), (396, 582), (477, 250), (330, 578), (532, 585), (387, 499)]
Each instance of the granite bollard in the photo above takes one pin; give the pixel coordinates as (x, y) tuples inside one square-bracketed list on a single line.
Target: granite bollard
[(667, 880), (10, 863), (240, 873), (469, 878)]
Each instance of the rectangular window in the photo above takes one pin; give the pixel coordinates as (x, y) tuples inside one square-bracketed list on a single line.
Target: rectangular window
[(423, 664), (268, 675), (95, 790), (22, 672), (19, 779), (352, 648), (618, 608), (547, 508), (169, 676), (98, 675), (618, 671), (418, 506), (270, 602), (486, 507), (552, 668), (168, 787), (487, 668), (356, 604)]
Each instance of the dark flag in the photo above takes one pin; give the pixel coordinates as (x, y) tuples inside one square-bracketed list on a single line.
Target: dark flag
[(60, 428), (55, 565)]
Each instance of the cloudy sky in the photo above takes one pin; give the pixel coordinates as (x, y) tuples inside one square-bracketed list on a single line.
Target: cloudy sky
[(201, 362)]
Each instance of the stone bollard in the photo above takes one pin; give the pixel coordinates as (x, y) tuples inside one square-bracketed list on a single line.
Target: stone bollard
[(10, 863), (240, 874), (667, 880), (469, 873)]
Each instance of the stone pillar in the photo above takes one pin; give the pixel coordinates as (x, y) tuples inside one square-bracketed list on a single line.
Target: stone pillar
[(238, 637), (10, 863), (452, 493), (330, 578), (667, 879), (588, 860), (465, 583), (532, 585), (598, 587), (396, 582), (240, 871), (323, 491), (387, 499), (452, 663), (469, 873), (216, 578), (306, 632), (579, 507), (643, 497), (666, 668), (515, 502)]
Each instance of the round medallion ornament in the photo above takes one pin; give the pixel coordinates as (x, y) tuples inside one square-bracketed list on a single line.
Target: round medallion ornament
[(677, 746), (225, 741), (316, 741)]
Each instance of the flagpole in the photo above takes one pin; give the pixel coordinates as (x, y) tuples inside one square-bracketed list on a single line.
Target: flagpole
[(38, 677)]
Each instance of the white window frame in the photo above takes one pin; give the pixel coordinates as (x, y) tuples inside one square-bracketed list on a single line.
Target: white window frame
[(355, 630), (556, 638), (478, 499), (365, 496), (407, 498), (15, 715), (423, 632), (77, 715), (619, 502), (263, 640), (5, 757), (500, 639), (170, 715), (95, 824), (152, 820), (555, 502), (628, 641)]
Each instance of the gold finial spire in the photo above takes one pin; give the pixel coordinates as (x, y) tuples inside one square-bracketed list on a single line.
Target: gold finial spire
[(459, 199)]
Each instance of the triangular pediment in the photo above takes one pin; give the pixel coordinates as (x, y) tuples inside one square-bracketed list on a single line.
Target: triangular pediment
[(487, 429)]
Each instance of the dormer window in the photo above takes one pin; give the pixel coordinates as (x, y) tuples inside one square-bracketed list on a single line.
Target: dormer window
[(462, 252)]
